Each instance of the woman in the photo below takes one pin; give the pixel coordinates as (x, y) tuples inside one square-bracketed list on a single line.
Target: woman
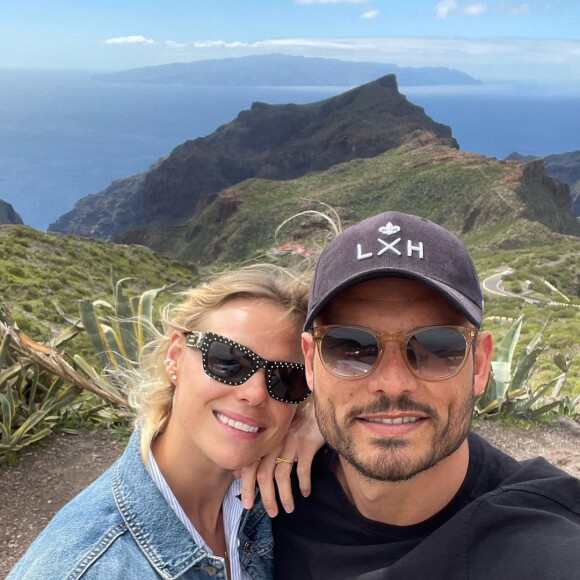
[(210, 399)]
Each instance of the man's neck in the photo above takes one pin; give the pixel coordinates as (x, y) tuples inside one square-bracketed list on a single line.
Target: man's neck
[(405, 503)]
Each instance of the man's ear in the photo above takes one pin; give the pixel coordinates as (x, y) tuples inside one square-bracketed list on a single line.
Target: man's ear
[(309, 350), (482, 361)]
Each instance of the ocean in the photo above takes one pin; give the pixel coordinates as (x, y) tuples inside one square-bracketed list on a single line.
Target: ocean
[(64, 135)]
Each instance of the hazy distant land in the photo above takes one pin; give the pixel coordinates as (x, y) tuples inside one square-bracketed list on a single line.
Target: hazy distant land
[(277, 70)]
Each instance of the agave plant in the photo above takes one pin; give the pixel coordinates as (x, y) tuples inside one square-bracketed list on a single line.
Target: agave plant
[(37, 388), (117, 331), (40, 386), (509, 392)]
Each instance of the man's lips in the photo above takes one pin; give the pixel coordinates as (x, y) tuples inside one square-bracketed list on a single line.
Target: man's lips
[(238, 422), (392, 420)]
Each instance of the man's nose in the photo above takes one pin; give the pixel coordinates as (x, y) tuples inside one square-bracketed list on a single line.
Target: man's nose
[(392, 375)]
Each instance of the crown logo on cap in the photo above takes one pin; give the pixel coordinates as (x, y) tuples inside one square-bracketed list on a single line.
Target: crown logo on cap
[(389, 229)]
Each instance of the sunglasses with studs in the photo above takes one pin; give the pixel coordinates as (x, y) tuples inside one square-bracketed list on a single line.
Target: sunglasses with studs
[(232, 363)]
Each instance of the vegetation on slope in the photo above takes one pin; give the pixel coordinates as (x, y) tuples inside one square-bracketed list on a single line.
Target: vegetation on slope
[(41, 271)]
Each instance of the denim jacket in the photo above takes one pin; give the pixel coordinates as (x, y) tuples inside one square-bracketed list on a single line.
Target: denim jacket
[(122, 527)]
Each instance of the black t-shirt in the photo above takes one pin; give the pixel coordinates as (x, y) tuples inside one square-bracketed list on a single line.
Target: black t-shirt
[(509, 520)]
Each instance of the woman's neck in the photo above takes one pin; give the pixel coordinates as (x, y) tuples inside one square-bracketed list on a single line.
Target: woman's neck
[(198, 485)]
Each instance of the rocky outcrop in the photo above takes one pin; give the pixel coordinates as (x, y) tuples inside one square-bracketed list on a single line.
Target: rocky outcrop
[(547, 199), (8, 215), (270, 141), (105, 214), (565, 167)]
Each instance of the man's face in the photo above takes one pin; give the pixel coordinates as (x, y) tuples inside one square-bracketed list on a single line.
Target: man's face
[(391, 425)]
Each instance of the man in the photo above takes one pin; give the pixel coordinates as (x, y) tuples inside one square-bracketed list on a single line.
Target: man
[(395, 359)]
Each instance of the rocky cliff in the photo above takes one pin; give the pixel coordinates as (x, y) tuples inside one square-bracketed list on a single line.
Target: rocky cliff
[(268, 141), (492, 204), (565, 167), (104, 214), (8, 215)]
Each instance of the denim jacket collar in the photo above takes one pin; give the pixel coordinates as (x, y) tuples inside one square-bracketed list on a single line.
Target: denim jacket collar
[(157, 531)]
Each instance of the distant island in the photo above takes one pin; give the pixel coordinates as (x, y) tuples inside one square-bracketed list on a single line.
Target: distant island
[(285, 70)]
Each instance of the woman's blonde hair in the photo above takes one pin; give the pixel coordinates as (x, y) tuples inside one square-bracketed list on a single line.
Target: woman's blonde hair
[(151, 393)]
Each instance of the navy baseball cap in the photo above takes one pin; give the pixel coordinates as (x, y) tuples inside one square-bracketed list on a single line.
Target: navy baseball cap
[(397, 244)]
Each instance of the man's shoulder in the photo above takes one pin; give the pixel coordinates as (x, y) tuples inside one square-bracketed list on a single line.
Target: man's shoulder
[(533, 523), (531, 516)]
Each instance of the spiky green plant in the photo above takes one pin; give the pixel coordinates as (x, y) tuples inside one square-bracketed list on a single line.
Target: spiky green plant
[(117, 330), (508, 391), (38, 389)]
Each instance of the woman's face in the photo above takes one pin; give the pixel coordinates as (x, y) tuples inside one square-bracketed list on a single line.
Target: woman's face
[(232, 426)]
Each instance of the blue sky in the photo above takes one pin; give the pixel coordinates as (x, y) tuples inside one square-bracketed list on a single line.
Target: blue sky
[(490, 39)]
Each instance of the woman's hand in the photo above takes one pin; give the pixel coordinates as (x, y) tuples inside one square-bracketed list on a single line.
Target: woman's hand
[(301, 443)]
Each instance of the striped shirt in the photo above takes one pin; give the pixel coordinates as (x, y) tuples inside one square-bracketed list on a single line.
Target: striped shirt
[(232, 512)]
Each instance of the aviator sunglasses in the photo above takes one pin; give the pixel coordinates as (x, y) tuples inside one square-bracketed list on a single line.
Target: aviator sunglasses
[(432, 353), (232, 363)]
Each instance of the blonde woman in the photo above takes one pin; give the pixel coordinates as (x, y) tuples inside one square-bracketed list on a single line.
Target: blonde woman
[(215, 392)]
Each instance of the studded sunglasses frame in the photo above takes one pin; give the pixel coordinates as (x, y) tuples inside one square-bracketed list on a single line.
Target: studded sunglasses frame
[(203, 341), (402, 338)]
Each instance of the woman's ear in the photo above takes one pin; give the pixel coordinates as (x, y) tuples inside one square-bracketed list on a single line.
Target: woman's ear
[(176, 345), (174, 352)]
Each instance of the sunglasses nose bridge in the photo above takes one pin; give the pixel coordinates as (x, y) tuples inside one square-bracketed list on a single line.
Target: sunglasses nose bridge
[(389, 353)]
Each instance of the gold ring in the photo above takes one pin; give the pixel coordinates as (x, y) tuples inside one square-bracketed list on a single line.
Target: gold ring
[(282, 460)]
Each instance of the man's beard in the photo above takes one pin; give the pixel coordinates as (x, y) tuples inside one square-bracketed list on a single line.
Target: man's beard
[(394, 464)]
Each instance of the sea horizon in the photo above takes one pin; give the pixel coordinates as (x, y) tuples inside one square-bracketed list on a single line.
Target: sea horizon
[(64, 135)]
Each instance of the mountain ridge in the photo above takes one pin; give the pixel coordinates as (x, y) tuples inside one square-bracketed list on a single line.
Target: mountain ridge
[(491, 203), (265, 141)]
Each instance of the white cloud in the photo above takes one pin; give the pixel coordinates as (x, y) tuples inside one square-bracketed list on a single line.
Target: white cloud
[(331, 1), (515, 9), (137, 39), (369, 14), (446, 8), (475, 9), (218, 44)]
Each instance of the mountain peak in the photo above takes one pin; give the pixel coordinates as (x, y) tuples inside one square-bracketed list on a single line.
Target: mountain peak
[(8, 215), (268, 141)]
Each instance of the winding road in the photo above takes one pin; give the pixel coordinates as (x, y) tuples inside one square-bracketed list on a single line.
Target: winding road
[(492, 285)]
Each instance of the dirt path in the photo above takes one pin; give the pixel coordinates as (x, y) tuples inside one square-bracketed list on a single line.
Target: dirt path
[(51, 474)]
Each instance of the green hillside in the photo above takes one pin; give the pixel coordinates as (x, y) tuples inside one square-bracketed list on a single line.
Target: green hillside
[(41, 270)]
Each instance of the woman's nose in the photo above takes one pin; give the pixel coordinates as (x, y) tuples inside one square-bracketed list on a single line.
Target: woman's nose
[(254, 391)]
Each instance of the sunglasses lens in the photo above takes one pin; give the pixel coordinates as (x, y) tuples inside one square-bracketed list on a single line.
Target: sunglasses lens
[(349, 352), (436, 352), (228, 362), (288, 384)]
